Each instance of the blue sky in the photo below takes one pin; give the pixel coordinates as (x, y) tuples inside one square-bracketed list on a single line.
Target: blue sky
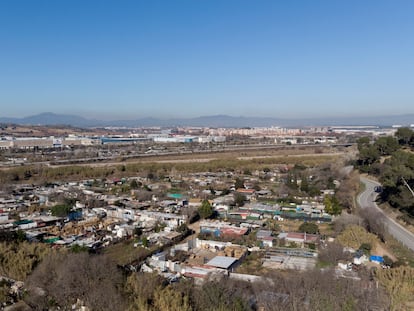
[(131, 59)]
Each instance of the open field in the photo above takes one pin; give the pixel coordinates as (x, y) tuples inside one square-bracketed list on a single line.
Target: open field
[(248, 154), (306, 159), (214, 162), (17, 130)]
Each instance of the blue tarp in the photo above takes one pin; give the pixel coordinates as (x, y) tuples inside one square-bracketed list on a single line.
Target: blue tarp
[(376, 258)]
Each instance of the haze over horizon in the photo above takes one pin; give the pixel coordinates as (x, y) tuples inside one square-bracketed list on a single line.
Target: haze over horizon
[(184, 59)]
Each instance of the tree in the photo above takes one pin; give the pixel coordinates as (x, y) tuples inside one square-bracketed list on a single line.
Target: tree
[(332, 206), (18, 259), (332, 253), (368, 155), (61, 210), (404, 135), (183, 228), (399, 283), (374, 222), (141, 288), (257, 187), (222, 294), (304, 185), (400, 164), (65, 278), (133, 184), (205, 210), (366, 248), (344, 220), (239, 199), (353, 236), (169, 299), (386, 145), (145, 242), (151, 176), (292, 181), (247, 172), (137, 231), (239, 183), (309, 227), (363, 143), (347, 191)]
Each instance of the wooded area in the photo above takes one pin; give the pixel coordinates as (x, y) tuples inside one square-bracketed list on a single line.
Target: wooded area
[(103, 286), (391, 159)]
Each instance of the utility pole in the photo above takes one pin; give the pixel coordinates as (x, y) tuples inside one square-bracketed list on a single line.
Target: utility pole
[(408, 186)]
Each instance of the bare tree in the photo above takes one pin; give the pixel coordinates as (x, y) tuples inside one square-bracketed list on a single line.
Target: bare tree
[(347, 191), (374, 222), (332, 253), (344, 220), (318, 290), (65, 278)]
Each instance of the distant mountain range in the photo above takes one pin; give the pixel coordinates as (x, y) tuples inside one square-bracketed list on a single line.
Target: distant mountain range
[(210, 121)]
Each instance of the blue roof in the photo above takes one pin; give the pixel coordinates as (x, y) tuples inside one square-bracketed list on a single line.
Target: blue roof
[(175, 195)]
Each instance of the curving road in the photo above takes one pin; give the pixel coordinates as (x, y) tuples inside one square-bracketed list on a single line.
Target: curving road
[(367, 198)]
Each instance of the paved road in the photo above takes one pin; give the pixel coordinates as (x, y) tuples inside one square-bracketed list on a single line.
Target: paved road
[(367, 200)]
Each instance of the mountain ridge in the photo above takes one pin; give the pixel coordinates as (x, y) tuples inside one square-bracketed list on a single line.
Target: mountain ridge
[(219, 120)]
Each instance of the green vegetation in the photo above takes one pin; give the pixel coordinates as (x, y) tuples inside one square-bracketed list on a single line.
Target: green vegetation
[(239, 183), (309, 227), (332, 205), (149, 292), (124, 253), (76, 248), (61, 210), (405, 256), (100, 284), (366, 248), (354, 236), (253, 264), (391, 159), (4, 290), (18, 259), (239, 199), (151, 170)]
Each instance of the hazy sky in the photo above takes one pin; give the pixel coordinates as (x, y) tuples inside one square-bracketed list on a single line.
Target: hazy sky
[(176, 58)]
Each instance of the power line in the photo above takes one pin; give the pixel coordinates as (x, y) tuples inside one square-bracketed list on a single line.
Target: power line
[(408, 186)]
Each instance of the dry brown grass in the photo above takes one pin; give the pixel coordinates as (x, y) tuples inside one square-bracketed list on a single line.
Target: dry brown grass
[(355, 235), (17, 260), (399, 283)]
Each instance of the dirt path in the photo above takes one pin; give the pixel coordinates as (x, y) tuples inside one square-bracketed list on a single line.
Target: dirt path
[(381, 250)]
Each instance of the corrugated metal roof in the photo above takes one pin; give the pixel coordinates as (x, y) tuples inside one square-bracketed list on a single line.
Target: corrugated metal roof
[(222, 262)]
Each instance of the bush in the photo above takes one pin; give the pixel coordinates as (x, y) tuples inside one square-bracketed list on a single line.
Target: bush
[(61, 210), (205, 210), (366, 248), (309, 227), (354, 236)]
